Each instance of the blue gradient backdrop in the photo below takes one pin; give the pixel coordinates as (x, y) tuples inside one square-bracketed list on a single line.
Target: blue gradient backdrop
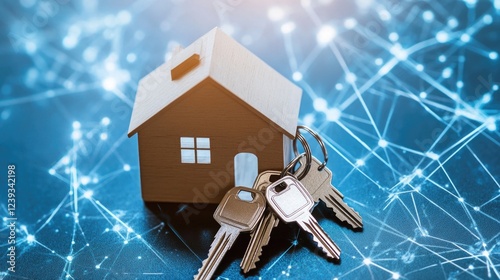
[(405, 93)]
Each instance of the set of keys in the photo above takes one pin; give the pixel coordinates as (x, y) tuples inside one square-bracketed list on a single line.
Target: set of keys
[(278, 195)]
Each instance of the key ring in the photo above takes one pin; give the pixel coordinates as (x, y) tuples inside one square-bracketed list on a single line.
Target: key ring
[(318, 139), (294, 162)]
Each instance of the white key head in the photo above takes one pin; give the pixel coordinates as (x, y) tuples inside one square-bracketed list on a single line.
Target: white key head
[(289, 198)]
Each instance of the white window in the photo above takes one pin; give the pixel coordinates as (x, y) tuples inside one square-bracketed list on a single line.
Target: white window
[(195, 150)]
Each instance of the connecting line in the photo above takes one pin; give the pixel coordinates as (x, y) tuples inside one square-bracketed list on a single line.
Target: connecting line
[(48, 95)]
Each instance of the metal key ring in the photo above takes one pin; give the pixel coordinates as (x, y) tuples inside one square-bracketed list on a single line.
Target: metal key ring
[(294, 162), (318, 139)]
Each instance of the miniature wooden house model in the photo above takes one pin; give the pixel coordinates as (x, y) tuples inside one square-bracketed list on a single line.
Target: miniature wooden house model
[(198, 114)]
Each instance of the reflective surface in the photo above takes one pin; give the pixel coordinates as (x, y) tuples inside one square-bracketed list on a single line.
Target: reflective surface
[(404, 93)]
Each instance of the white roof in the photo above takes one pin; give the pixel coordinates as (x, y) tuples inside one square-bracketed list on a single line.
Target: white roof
[(230, 65)]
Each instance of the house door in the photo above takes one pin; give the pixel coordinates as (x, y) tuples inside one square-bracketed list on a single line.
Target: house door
[(246, 169)]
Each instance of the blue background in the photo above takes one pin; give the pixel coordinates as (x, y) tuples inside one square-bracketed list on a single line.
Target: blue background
[(405, 94)]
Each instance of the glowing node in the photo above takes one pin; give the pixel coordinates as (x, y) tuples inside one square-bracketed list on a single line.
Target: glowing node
[(428, 16), (419, 67), (287, 27), (360, 162), (126, 167), (384, 15), (88, 194), (379, 61), (76, 125), (485, 253), (493, 55), (325, 35), (333, 114), (125, 242), (129, 229), (393, 36), (30, 238), (460, 84), (103, 136), (470, 267), (90, 54), (395, 275), (461, 199), (432, 155), (275, 13), (308, 119), (117, 228), (320, 104), (124, 17), (382, 143), (76, 135), (339, 86), (494, 87), (350, 23), (139, 236), (452, 22), (139, 257), (131, 57), (109, 83), (367, 261), (487, 19), (470, 3), (105, 121), (69, 258), (85, 180), (476, 208), (442, 58), (399, 52), (297, 76), (52, 171), (65, 160), (490, 124), (442, 37), (465, 38), (486, 98), (447, 72), (97, 266), (350, 77), (418, 172), (70, 41)]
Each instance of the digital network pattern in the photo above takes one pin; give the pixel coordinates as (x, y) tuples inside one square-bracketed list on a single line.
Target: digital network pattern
[(404, 93)]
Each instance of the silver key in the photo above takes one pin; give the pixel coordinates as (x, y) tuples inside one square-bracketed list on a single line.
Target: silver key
[(292, 203), (319, 185), (235, 216), (262, 233)]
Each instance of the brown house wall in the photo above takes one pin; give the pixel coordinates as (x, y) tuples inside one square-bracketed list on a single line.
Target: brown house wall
[(206, 111)]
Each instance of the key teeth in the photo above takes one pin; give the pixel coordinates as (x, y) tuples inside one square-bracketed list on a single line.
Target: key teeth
[(323, 248), (356, 221), (247, 265)]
